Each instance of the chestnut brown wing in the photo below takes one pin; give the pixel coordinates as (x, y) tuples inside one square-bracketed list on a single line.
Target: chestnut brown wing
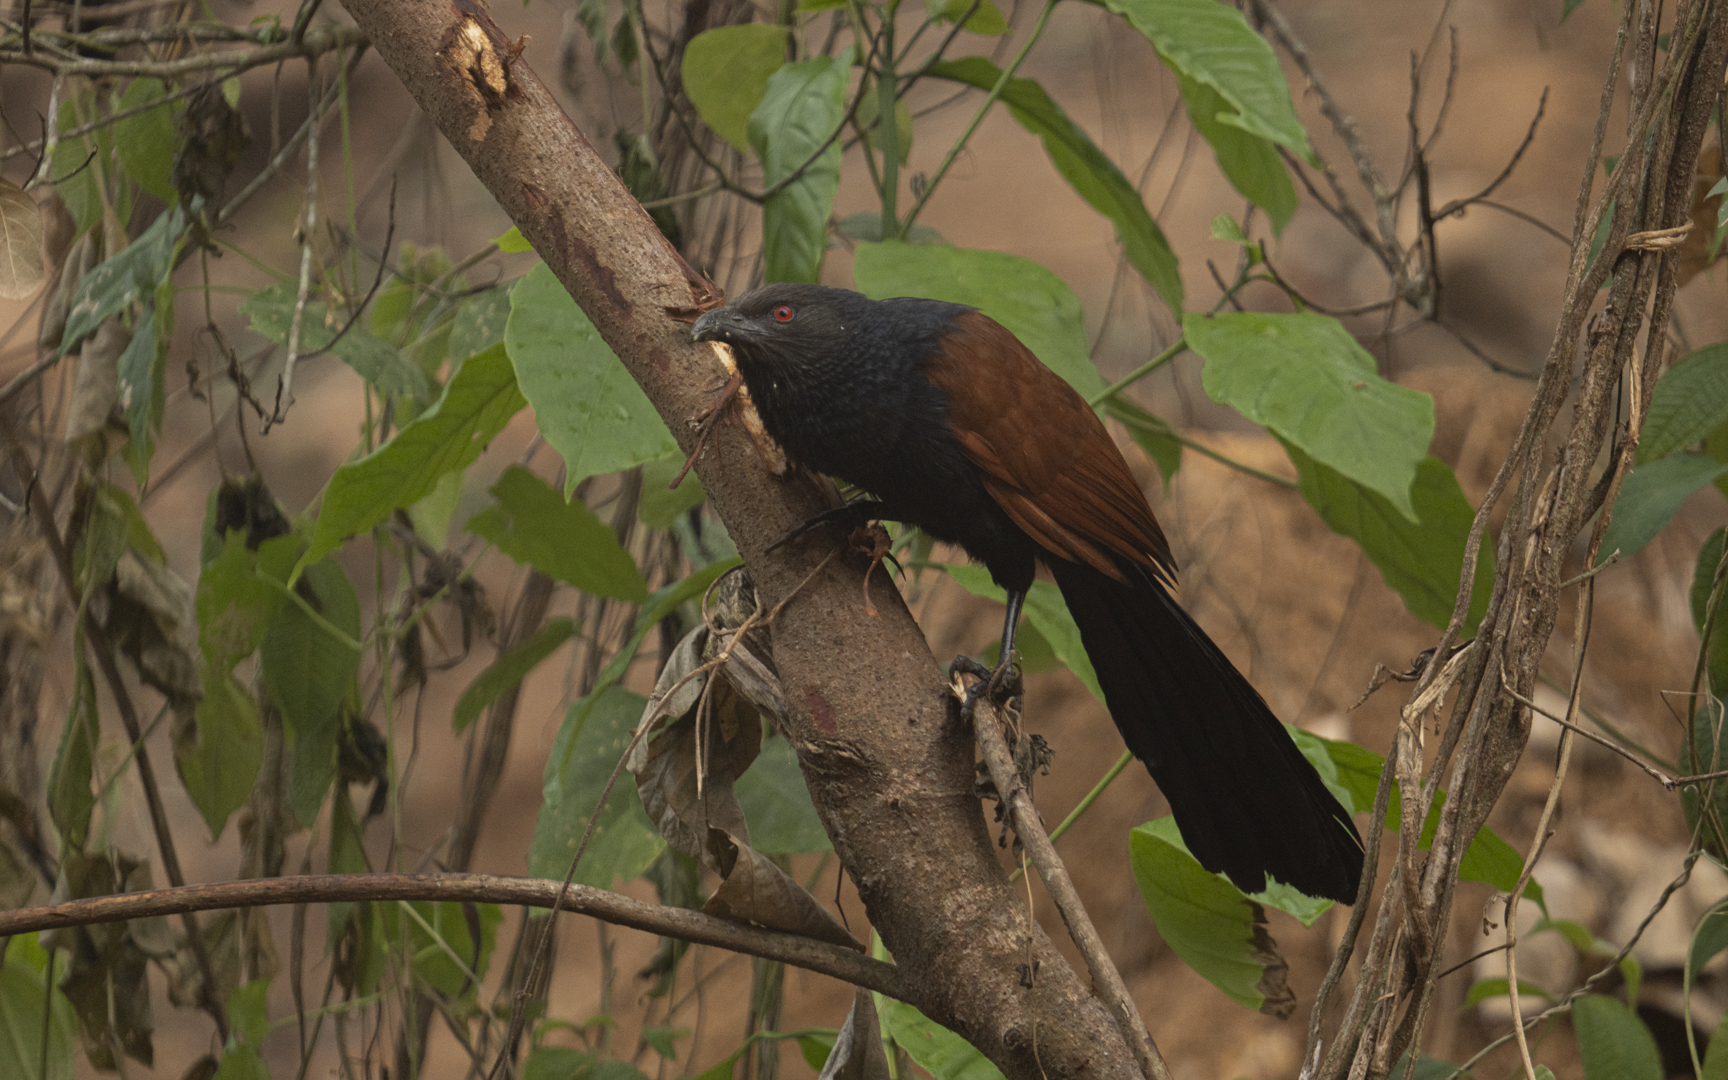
[(1043, 454)]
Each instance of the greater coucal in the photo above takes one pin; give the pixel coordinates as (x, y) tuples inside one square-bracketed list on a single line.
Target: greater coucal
[(952, 425)]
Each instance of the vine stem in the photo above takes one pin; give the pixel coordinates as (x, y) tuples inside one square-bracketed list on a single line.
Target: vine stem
[(978, 117)]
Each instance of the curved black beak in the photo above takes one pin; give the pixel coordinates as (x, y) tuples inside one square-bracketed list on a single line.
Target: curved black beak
[(721, 324)]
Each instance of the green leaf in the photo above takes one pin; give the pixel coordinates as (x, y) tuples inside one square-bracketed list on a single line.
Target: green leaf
[(1421, 560), (803, 107), (595, 734), (147, 141), (1689, 402), (1023, 296), (1650, 496), (479, 323), (1567, 7), (587, 405), (1093, 176), (125, 279), (1353, 774), (1248, 161), (1716, 1057), (726, 72), (70, 800), (564, 540), (75, 178), (142, 395), (308, 665), (777, 804), (1216, 930), (1493, 988), (987, 20), (248, 1014), (815, 1050), (512, 242), (869, 107), (661, 603), (1212, 44), (383, 365), (479, 400), (23, 985), (444, 928), (867, 225), (1613, 1044), (1305, 379), (1152, 433), (218, 755), (234, 605), (509, 670), (660, 505), (664, 1040), (1045, 609), (1224, 227), (938, 1051), (1703, 580)]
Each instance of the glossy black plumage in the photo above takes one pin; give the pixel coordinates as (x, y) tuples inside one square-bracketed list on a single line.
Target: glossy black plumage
[(951, 424)]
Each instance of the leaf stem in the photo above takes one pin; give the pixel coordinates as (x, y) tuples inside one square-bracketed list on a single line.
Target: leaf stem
[(1092, 796), (978, 118), (1176, 348)]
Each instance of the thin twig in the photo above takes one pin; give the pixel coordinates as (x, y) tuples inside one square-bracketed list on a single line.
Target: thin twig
[(1456, 205), (315, 43)]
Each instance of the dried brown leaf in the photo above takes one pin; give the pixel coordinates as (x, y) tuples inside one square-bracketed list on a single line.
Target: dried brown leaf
[(857, 1053), (754, 890), (23, 258)]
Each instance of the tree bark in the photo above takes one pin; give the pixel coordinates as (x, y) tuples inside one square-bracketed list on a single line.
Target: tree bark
[(889, 767)]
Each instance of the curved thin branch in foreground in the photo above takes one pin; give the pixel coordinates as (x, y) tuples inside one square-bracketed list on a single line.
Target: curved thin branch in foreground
[(681, 923)]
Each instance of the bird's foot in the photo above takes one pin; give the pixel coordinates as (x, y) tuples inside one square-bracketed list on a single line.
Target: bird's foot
[(1000, 684), (852, 515)]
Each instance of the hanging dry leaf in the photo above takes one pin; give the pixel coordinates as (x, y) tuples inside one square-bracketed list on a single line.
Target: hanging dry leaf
[(665, 766), (23, 261), (754, 890), (857, 1053), (67, 275), (148, 611), (96, 389)]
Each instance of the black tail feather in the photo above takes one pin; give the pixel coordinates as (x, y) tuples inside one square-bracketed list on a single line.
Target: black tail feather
[(1247, 801)]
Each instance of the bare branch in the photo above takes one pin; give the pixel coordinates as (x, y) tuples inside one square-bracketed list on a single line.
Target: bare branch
[(681, 923)]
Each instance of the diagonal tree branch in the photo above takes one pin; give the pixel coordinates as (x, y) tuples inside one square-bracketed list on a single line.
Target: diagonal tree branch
[(889, 770)]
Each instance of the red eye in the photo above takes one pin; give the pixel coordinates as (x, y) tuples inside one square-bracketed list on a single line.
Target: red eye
[(783, 313)]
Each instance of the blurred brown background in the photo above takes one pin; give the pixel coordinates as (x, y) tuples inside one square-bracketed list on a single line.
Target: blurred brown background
[(1297, 607)]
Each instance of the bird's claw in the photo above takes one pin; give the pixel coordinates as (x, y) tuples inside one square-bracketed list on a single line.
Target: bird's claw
[(1000, 684)]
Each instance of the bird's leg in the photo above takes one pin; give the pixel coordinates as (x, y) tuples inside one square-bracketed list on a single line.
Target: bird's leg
[(852, 515), (1001, 682)]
